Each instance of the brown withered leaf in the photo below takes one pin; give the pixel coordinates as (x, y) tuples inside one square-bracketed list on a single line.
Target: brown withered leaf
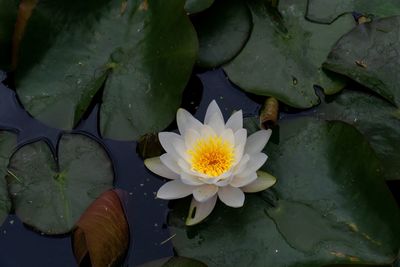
[(24, 13), (102, 232)]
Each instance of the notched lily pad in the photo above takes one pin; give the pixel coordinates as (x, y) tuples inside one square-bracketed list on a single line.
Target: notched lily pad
[(329, 197), (140, 52), (222, 30), (284, 54), (370, 55), (50, 194), (326, 11), (102, 232), (8, 141)]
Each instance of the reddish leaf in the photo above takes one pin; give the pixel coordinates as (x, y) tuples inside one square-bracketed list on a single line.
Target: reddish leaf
[(24, 13), (102, 232)]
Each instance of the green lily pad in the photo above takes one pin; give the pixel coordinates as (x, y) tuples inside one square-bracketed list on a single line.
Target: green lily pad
[(8, 141), (284, 54), (326, 208), (8, 17), (326, 11), (140, 52), (378, 120), (222, 30), (51, 193), (370, 55), (195, 6), (174, 262)]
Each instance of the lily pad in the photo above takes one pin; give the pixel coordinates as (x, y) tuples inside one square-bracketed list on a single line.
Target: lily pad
[(140, 52), (370, 55), (222, 30), (284, 54), (325, 209), (326, 11), (377, 119), (8, 141), (195, 6), (174, 262), (51, 193), (8, 17)]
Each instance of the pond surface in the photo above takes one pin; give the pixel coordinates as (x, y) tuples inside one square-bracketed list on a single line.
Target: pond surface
[(21, 246)]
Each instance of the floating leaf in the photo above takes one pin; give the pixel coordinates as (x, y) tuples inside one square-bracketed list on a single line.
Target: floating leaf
[(370, 55), (326, 11), (223, 30), (326, 207), (195, 6), (149, 146), (8, 141), (141, 52), (284, 54), (25, 10), (8, 16), (378, 120), (51, 195), (102, 232), (174, 262)]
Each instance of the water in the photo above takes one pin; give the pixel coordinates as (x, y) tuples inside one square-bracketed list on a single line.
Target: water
[(21, 246)]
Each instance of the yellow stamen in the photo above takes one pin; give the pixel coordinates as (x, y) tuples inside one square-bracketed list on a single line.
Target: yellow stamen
[(211, 155)]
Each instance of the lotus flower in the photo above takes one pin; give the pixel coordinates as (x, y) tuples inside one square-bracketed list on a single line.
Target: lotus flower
[(211, 160)]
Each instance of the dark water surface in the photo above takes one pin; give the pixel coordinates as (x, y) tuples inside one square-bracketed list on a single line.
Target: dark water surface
[(21, 246)]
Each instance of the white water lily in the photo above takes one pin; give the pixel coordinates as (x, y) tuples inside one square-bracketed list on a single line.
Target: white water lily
[(211, 160)]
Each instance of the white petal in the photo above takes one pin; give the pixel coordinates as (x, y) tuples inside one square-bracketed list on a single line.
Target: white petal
[(211, 110), (217, 123), (167, 140), (191, 136), (242, 164), (205, 192), (200, 209), (231, 196), (180, 148), (256, 162), (215, 180), (235, 122), (257, 141), (156, 166), (238, 153), (190, 179), (240, 136), (207, 131), (239, 181), (227, 135), (174, 189), (186, 121), (170, 162), (264, 181)]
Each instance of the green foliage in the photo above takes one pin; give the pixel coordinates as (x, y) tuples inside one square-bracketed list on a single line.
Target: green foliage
[(51, 193)]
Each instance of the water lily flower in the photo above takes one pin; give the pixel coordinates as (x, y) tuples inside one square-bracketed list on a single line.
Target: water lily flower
[(211, 160)]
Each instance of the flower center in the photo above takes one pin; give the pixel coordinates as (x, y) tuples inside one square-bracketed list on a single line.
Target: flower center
[(212, 156)]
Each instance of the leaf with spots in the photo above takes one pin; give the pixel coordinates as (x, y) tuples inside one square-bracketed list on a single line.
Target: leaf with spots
[(328, 197), (284, 54), (51, 193), (137, 56), (370, 55)]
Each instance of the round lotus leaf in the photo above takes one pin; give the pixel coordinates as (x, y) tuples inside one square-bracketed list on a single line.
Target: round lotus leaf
[(51, 193), (284, 54), (136, 56)]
